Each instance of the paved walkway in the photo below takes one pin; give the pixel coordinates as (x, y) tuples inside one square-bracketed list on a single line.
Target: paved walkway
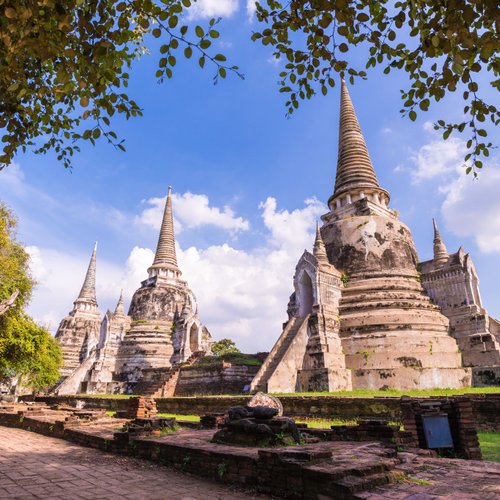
[(35, 466)]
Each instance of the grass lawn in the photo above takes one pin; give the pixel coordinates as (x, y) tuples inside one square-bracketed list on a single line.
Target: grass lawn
[(421, 392), (180, 418), (323, 423), (107, 396), (358, 393), (490, 445)]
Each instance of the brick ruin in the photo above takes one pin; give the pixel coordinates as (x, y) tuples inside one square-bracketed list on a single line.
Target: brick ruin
[(364, 313)]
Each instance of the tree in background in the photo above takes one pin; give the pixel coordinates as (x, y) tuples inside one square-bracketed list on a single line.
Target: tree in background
[(224, 346), (440, 46), (64, 64), (28, 353)]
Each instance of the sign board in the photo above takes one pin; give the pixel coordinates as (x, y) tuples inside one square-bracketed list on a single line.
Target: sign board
[(437, 431)]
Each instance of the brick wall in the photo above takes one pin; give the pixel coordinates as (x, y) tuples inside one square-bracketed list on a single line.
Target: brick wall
[(486, 407)]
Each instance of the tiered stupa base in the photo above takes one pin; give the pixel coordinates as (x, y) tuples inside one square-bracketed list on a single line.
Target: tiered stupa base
[(395, 338)]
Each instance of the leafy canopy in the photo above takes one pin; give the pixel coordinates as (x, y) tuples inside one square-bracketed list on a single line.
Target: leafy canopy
[(64, 64), (440, 45), (26, 349), (224, 346)]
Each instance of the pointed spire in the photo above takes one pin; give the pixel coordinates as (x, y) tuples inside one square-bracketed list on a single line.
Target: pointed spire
[(441, 255), (120, 308), (354, 166), (319, 250), (165, 257), (87, 293)]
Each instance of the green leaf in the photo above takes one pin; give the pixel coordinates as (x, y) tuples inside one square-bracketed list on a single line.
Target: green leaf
[(173, 21)]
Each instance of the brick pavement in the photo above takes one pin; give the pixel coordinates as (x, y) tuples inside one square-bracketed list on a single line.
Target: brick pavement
[(35, 466), (441, 479)]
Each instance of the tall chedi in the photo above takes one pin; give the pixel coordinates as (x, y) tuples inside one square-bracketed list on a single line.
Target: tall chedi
[(78, 333), (392, 335), (165, 327)]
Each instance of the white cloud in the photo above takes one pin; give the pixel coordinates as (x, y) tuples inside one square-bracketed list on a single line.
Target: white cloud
[(13, 178), (472, 208), (251, 8), (242, 294), (191, 211), (437, 158), (60, 275), (275, 61), (291, 229), (213, 8)]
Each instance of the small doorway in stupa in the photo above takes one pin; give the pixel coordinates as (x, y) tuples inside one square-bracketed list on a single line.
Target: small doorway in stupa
[(306, 295), (194, 344)]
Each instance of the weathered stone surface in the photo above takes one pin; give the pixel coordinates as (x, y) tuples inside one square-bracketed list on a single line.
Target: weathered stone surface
[(266, 400), (359, 304), (452, 283), (257, 426), (161, 330)]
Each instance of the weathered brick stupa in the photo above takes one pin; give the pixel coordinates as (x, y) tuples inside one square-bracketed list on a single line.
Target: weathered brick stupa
[(451, 281), (161, 330), (308, 355), (391, 334), (165, 326), (78, 332)]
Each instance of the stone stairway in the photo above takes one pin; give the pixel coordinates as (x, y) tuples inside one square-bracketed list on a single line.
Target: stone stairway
[(259, 383), (164, 380), (73, 383)]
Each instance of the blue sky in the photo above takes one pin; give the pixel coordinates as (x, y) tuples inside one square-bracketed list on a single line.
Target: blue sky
[(248, 186)]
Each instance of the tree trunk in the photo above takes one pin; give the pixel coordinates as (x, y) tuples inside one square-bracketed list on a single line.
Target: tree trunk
[(5, 305)]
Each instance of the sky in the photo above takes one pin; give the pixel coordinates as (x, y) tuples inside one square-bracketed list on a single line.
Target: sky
[(248, 183)]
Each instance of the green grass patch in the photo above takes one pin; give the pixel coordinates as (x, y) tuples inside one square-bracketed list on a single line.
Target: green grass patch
[(111, 413), (326, 423), (235, 358), (415, 480), (490, 445), (323, 423), (107, 396), (391, 392), (180, 418)]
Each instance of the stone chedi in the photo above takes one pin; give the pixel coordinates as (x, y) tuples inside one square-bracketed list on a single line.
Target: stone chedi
[(165, 326), (360, 305), (78, 332), (452, 283), (162, 328)]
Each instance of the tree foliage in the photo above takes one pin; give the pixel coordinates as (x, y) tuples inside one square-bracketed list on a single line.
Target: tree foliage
[(27, 350), (224, 346), (64, 66), (440, 45)]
